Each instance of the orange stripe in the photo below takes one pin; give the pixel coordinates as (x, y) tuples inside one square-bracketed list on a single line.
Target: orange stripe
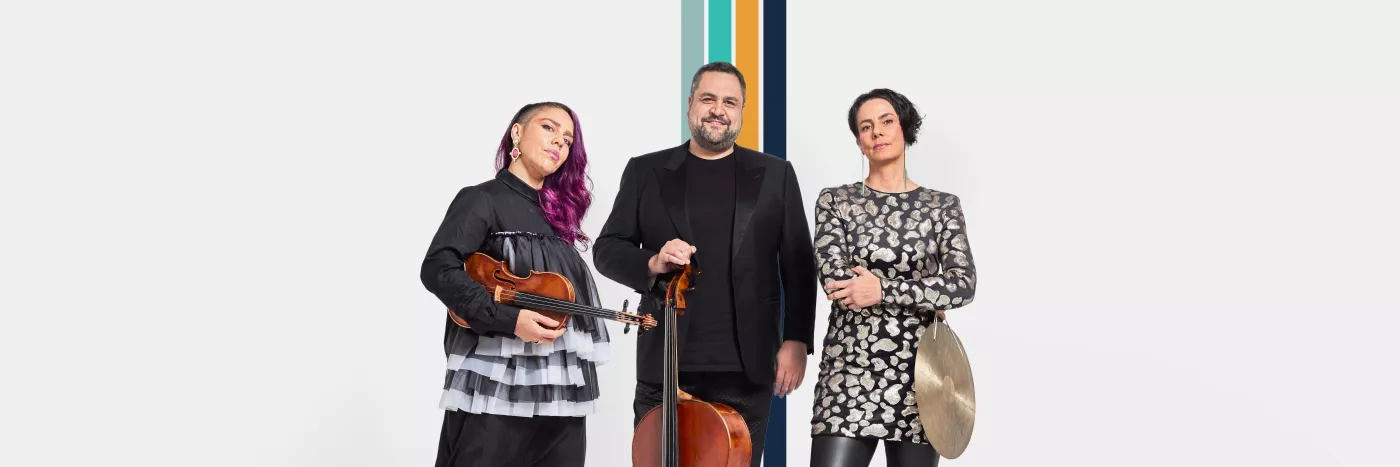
[(746, 58)]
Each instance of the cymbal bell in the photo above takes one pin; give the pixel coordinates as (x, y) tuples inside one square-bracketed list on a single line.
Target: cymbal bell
[(943, 390)]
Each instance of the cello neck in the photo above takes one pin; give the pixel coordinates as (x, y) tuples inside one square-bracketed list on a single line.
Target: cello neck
[(670, 452)]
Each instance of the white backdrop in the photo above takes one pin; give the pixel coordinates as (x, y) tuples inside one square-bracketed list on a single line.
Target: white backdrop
[(214, 215), (1176, 210)]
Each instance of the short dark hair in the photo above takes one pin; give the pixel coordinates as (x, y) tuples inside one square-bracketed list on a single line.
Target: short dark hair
[(909, 119), (719, 67)]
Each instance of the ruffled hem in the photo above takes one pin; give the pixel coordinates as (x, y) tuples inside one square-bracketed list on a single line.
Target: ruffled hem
[(594, 348), (557, 369), (476, 383), (453, 399)]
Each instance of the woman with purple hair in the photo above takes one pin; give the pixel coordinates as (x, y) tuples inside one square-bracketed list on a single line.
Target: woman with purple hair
[(516, 392)]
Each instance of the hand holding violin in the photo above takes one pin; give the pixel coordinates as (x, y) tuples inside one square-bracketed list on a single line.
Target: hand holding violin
[(531, 327)]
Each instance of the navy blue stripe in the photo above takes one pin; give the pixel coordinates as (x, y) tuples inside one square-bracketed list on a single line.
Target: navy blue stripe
[(775, 77), (775, 142)]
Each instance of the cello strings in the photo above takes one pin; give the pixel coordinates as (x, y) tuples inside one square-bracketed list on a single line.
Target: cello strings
[(672, 438)]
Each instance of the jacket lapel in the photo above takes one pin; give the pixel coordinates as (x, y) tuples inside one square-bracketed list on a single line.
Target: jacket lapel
[(672, 179), (748, 181)]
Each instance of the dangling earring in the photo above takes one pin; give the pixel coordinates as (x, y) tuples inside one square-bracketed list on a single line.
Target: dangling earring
[(515, 149)]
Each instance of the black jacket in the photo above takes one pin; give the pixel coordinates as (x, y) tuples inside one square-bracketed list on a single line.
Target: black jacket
[(771, 247)]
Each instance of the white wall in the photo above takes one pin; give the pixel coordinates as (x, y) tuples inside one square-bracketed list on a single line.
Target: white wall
[(214, 215), (1179, 212)]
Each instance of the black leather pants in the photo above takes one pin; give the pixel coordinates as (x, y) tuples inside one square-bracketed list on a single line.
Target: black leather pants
[(838, 451)]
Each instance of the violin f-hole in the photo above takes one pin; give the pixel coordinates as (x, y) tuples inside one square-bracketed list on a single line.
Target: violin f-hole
[(504, 278)]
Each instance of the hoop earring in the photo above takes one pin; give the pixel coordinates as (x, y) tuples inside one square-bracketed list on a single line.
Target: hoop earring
[(515, 149)]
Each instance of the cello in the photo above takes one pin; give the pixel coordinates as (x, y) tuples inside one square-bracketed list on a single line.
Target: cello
[(547, 293), (689, 433)]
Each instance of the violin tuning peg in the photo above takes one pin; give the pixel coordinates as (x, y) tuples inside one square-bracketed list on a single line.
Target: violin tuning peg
[(626, 327)]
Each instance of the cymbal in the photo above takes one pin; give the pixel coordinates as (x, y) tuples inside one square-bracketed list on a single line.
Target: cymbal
[(943, 390)]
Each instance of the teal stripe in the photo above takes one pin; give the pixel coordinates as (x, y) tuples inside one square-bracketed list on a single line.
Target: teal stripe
[(692, 53), (721, 31)]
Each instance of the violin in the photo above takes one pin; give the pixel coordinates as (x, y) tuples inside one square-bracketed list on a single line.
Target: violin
[(547, 293), (688, 433)]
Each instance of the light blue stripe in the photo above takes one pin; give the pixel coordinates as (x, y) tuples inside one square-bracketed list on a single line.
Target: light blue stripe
[(692, 53)]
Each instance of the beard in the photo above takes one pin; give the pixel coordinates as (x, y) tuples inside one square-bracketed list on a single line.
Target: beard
[(714, 141)]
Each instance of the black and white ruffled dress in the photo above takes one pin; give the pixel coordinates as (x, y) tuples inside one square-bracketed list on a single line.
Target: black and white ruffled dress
[(489, 369)]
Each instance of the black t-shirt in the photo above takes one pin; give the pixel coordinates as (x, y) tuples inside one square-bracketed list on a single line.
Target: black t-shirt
[(711, 342)]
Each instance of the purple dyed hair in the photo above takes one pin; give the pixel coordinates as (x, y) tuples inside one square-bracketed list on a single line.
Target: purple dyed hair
[(565, 196)]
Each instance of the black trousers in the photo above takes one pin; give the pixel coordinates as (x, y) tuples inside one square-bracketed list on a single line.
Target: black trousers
[(840, 451), (729, 388), (485, 440)]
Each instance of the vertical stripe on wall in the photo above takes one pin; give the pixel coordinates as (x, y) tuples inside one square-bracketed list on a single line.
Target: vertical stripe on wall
[(775, 77), (721, 36), (734, 35), (774, 98), (692, 52), (746, 59)]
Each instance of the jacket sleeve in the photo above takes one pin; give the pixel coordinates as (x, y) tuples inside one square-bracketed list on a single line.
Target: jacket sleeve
[(618, 253), (463, 230), (798, 270), (956, 282)]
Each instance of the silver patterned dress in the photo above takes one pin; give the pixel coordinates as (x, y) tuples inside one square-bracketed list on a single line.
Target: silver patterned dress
[(916, 244)]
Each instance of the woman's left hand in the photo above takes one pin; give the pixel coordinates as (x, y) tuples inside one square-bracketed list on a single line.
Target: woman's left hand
[(859, 292)]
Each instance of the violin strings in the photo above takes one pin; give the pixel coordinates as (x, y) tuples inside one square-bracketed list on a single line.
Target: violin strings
[(553, 306), (541, 301), (570, 307)]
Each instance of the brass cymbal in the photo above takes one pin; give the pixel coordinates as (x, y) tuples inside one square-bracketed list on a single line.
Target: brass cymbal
[(943, 390)]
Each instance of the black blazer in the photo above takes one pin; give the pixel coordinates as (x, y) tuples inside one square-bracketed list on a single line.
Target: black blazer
[(771, 246)]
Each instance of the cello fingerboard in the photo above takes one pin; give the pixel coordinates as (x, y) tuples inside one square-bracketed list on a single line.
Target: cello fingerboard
[(669, 426)]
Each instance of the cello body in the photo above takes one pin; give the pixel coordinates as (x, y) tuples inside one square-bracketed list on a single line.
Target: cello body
[(712, 434), (688, 433)]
